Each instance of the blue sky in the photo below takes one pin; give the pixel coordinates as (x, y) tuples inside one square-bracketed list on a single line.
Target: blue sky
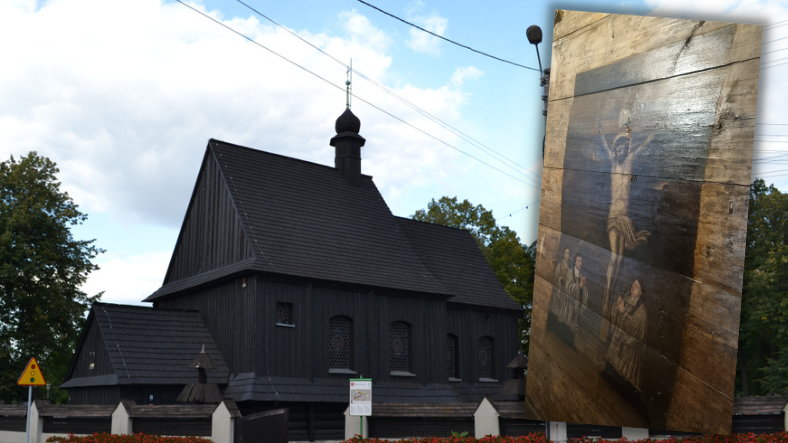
[(124, 96)]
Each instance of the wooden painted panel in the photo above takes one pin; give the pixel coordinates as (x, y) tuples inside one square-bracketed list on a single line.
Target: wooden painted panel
[(643, 221)]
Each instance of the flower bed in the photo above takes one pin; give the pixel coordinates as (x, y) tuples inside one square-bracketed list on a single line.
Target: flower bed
[(779, 437), (134, 438)]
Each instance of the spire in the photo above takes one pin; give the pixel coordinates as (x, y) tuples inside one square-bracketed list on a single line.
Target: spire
[(348, 142), (201, 391), (348, 82)]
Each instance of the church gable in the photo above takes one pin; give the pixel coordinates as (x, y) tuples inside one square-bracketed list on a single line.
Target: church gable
[(91, 358), (212, 235)]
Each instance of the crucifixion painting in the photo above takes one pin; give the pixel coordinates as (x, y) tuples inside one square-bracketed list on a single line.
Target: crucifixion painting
[(620, 231), (645, 187)]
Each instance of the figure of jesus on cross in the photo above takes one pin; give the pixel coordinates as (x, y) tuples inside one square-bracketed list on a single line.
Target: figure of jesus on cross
[(620, 231)]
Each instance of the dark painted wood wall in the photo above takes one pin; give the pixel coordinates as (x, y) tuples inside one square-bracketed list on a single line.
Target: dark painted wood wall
[(211, 235), (470, 324), (93, 350), (244, 327)]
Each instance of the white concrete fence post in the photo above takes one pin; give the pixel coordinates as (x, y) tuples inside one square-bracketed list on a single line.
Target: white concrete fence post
[(121, 420), (486, 420), (353, 425), (223, 422), (634, 433), (36, 424), (557, 431)]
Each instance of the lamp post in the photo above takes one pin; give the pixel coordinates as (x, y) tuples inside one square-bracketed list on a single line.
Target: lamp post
[(534, 35)]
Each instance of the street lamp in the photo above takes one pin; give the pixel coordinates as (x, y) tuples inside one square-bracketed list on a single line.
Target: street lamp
[(534, 35)]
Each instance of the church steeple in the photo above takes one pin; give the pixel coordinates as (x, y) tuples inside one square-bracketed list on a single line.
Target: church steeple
[(348, 142)]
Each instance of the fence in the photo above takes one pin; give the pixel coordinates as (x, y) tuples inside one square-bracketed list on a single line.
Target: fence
[(216, 422), (400, 420)]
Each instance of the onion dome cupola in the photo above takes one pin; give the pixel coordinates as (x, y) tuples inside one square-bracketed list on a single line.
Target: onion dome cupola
[(348, 145)]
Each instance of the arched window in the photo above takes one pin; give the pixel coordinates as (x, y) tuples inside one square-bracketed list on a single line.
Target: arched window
[(486, 358), (340, 342), (452, 349), (399, 346)]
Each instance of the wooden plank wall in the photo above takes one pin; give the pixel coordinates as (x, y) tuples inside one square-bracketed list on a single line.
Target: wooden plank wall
[(228, 309), (93, 343), (211, 235), (242, 321), (469, 325), (650, 130)]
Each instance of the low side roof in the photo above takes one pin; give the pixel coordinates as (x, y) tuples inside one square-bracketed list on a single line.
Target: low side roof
[(152, 346), (454, 258)]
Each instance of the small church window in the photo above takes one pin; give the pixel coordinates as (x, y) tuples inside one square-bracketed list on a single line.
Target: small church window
[(340, 342), (284, 314), (451, 350), (399, 337), (486, 359)]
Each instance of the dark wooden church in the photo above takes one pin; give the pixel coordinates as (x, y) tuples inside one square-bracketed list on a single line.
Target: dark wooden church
[(296, 276)]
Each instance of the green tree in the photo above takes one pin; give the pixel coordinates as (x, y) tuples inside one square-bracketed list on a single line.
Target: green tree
[(511, 261), (41, 269), (763, 334)]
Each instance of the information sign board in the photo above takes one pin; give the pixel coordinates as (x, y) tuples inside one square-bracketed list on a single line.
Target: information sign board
[(361, 396)]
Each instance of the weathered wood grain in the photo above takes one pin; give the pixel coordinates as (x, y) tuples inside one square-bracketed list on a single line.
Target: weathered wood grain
[(714, 417), (616, 37), (705, 335), (555, 132), (550, 198), (730, 149), (722, 233), (573, 22), (682, 94)]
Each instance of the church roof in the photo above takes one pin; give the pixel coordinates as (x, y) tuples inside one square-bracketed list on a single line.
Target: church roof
[(307, 220), (149, 346), (454, 258)]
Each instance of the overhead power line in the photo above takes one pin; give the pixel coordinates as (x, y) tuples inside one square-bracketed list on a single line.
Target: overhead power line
[(515, 166), (447, 39), (775, 25), (765, 43), (251, 40)]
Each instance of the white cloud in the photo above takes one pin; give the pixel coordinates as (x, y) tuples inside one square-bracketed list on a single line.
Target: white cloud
[(773, 82), (128, 279), (464, 73), (744, 11), (125, 95), (423, 42)]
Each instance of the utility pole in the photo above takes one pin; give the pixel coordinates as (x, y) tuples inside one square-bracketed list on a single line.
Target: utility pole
[(534, 35)]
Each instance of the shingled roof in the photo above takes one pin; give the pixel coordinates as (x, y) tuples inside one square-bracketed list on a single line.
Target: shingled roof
[(150, 346), (453, 257), (307, 220)]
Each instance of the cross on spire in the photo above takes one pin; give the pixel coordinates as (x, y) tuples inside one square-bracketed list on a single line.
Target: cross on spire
[(348, 83)]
